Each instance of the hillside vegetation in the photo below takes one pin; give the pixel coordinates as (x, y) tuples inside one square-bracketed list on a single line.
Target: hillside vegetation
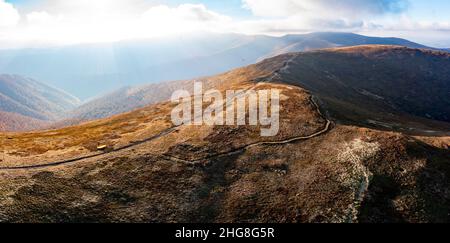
[(28, 104), (319, 168)]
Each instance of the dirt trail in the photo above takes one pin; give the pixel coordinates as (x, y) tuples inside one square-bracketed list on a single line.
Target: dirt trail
[(62, 162), (326, 129)]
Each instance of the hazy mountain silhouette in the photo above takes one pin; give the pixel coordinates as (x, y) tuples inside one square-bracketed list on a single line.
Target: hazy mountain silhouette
[(324, 165), (29, 98), (388, 87), (15, 122), (90, 70)]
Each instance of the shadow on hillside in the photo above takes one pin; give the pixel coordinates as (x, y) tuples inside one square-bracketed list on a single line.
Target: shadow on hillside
[(405, 190)]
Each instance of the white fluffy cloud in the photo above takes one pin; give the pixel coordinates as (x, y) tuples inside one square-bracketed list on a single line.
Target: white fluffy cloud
[(279, 16), (185, 12), (324, 8), (40, 17), (371, 17), (81, 21), (186, 17), (9, 16)]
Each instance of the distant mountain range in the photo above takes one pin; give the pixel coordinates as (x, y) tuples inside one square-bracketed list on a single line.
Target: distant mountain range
[(412, 76), (380, 86), (330, 162), (91, 70), (26, 103), (16, 122), (389, 87), (126, 99)]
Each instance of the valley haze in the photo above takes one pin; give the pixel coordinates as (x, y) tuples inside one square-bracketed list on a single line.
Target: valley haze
[(91, 70)]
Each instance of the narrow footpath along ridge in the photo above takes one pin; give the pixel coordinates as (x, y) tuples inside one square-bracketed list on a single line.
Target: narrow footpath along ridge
[(326, 129)]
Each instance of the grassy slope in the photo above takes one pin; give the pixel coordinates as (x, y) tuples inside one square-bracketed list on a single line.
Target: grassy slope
[(349, 174), (15, 122), (386, 87)]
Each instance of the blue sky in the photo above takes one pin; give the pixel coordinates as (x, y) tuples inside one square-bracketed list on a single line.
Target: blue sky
[(228, 7), (437, 10), (72, 21), (423, 9), (426, 9)]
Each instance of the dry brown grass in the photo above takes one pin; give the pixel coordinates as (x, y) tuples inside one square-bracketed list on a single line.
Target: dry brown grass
[(297, 182), (348, 174), (80, 140)]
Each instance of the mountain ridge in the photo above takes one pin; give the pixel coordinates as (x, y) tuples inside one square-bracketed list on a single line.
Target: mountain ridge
[(315, 170), (382, 83), (26, 97), (88, 70), (370, 92)]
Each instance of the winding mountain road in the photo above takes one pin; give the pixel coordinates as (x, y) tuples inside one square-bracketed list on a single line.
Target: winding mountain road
[(168, 131), (62, 162), (325, 129)]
